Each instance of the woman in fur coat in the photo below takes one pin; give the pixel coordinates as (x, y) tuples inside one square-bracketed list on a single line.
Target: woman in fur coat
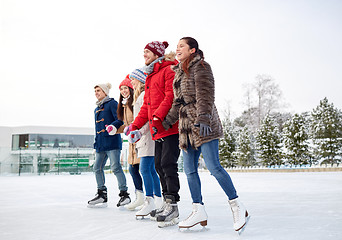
[(199, 130)]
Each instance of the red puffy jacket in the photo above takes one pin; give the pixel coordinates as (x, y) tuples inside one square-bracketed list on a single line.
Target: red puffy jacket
[(158, 98)]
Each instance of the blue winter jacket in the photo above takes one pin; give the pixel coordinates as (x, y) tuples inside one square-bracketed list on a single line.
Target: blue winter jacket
[(106, 115)]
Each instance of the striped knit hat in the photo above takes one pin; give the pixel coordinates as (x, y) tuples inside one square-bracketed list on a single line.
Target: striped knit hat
[(138, 74)]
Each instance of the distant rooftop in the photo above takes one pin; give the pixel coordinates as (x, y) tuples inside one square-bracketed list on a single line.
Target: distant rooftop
[(51, 130)]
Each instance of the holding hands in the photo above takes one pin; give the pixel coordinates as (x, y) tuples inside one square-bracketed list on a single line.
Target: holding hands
[(134, 136)]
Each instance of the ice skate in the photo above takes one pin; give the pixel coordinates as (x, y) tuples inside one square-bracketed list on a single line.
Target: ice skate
[(158, 210), (147, 208), (100, 200), (170, 215), (139, 200), (240, 215), (124, 198), (197, 216), (158, 201)]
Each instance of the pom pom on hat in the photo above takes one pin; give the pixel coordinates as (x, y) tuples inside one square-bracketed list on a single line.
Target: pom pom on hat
[(157, 47), (105, 87), (126, 82), (139, 74)]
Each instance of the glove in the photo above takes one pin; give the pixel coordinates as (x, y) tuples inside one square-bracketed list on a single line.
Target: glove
[(157, 126), (111, 129), (205, 130), (134, 136), (127, 129)]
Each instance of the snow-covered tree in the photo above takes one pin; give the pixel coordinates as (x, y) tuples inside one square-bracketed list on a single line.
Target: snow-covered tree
[(245, 149), (296, 143), (269, 143), (227, 145), (326, 131)]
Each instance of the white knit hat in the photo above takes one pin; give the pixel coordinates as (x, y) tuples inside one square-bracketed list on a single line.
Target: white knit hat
[(105, 87)]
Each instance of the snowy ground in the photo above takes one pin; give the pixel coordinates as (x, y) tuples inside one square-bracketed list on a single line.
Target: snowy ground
[(282, 205)]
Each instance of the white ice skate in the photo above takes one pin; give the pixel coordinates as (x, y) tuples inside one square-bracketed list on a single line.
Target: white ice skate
[(139, 200), (147, 208), (240, 215), (197, 216)]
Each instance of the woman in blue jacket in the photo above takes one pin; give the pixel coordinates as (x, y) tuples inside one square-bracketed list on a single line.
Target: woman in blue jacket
[(107, 144)]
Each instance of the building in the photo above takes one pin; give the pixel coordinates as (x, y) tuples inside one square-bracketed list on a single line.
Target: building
[(42, 149)]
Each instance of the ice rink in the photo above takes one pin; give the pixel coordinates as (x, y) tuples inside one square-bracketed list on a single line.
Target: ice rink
[(284, 206)]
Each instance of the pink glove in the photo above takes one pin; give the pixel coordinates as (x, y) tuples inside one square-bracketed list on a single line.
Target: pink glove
[(127, 129), (111, 129)]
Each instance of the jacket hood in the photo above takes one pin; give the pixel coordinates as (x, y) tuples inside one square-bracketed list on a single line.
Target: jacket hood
[(171, 56)]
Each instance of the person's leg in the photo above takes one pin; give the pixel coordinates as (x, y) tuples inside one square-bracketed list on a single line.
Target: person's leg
[(151, 179), (190, 161), (100, 162), (114, 156), (211, 158), (169, 159), (155, 178), (134, 171), (158, 167)]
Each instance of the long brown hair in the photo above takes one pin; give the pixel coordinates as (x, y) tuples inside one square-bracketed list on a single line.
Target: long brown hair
[(129, 104), (192, 44)]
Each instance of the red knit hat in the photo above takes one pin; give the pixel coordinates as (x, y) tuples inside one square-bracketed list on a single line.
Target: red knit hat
[(126, 82), (157, 47)]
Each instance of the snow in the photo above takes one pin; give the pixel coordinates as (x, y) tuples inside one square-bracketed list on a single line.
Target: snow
[(282, 206)]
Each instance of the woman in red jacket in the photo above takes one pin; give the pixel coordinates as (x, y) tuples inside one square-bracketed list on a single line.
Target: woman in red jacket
[(157, 103)]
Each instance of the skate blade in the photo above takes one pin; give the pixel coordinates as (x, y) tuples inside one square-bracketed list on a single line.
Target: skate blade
[(193, 229), (173, 222), (241, 230), (99, 205), (142, 217)]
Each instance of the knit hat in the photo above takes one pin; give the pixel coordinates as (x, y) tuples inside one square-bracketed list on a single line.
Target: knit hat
[(138, 74), (157, 47), (105, 87), (126, 82)]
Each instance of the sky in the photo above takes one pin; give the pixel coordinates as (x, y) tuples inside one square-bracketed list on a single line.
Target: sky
[(53, 53), (282, 206)]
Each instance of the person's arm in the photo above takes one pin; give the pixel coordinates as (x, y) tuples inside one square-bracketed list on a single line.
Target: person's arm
[(205, 92), (166, 103)]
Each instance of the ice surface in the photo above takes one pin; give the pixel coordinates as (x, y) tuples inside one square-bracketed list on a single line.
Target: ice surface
[(282, 206)]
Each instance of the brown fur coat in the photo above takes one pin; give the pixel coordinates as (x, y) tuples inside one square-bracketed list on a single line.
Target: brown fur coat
[(194, 97)]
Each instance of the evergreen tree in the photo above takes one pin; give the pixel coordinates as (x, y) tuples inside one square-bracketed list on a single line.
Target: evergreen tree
[(245, 149), (227, 145), (269, 143), (296, 141), (326, 130)]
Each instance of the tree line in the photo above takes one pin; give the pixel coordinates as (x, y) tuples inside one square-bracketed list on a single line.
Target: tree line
[(265, 136)]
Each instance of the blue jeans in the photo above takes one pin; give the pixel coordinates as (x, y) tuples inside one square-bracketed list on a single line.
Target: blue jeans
[(100, 162), (137, 180), (150, 176), (211, 158)]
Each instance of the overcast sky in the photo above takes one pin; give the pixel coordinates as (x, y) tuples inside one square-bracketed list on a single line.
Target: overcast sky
[(52, 53)]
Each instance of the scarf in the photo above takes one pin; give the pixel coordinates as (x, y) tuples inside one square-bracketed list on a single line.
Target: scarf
[(124, 100), (99, 103), (149, 68)]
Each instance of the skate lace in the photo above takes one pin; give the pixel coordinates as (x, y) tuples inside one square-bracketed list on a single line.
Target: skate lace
[(236, 215), (167, 210), (191, 215)]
